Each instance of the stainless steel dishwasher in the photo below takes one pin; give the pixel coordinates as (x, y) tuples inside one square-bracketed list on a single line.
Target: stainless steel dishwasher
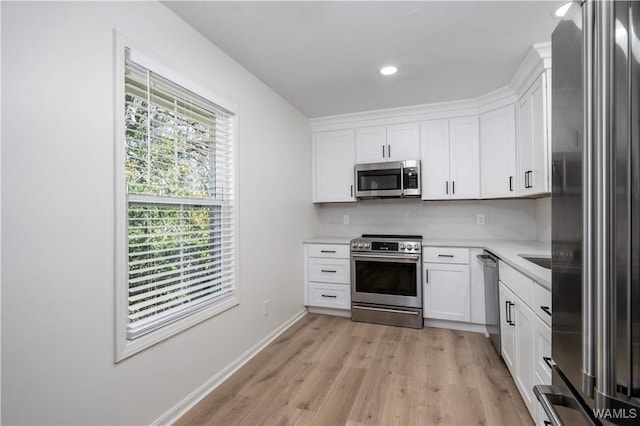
[(491, 301)]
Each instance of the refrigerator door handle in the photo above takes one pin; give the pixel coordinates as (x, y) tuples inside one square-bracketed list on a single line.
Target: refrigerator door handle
[(550, 396)]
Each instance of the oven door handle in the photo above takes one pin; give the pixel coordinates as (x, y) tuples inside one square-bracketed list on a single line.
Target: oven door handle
[(380, 256)]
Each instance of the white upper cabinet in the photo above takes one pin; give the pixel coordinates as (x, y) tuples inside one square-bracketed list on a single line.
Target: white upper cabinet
[(534, 139), (498, 162), (434, 136), (371, 144), (333, 161), (396, 142), (450, 155)]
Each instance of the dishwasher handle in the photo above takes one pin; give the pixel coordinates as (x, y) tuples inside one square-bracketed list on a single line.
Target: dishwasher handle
[(488, 261)]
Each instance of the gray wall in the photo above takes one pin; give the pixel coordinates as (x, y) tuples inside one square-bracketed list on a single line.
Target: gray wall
[(58, 219)]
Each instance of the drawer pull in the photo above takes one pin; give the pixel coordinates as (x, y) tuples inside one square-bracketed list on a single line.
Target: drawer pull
[(446, 255), (327, 251), (546, 310), (331, 296), (328, 270)]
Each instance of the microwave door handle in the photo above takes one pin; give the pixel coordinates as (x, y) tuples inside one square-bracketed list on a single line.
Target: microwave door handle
[(401, 179)]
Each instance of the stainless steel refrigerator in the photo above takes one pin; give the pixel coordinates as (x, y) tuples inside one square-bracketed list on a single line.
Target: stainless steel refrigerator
[(595, 216)]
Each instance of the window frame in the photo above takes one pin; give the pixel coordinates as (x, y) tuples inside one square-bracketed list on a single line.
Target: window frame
[(125, 348)]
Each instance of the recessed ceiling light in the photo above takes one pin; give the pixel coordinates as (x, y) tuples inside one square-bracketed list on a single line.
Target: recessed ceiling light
[(562, 10), (388, 70)]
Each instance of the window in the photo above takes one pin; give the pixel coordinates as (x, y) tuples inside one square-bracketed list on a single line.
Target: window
[(179, 221)]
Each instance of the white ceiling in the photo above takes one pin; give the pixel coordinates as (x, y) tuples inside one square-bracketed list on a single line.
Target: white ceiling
[(324, 57)]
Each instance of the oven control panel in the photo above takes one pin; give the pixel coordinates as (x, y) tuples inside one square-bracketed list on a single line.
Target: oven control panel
[(385, 246)]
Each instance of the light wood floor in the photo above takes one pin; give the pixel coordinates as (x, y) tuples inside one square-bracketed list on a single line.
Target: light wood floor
[(331, 371)]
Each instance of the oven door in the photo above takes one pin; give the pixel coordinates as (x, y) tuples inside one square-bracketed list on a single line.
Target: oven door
[(379, 180), (386, 279)]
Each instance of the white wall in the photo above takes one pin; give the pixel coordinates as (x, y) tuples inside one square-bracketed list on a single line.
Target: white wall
[(58, 219), (504, 219), (543, 219)]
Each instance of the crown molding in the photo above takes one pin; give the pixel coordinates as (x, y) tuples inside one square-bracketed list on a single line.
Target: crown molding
[(536, 61)]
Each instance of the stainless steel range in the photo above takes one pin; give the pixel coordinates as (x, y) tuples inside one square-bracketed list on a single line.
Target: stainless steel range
[(386, 280)]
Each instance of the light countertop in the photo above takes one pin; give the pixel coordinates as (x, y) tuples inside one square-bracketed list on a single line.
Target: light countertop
[(507, 250)]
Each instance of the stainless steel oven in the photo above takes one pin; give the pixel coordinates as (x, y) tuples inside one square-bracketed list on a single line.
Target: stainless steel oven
[(386, 280)]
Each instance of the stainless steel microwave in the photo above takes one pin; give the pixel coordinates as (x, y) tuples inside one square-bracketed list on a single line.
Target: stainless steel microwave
[(390, 179)]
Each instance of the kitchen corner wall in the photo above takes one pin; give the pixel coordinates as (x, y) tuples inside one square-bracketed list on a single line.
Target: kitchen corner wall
[(504, 219)]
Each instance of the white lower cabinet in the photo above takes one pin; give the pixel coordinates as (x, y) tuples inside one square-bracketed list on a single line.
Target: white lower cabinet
[(518, 335), (542, 343), (447, 284), (327, 276), (507, 329), (523, 318), (326, 295)]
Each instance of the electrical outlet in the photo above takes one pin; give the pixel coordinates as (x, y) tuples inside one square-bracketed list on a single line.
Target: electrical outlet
[(480, 219), (265, 308), (345, 219)]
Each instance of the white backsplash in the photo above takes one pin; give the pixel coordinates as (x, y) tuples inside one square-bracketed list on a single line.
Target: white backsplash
[(543, 219), (504, 219)]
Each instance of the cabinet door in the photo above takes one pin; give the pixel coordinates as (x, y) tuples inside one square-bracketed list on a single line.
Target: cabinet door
[(446, 292), (403, 142), (525, 367), (507, 330), (498, 153), (434, 148), (539, 178), (371, 144), (464, 157), (333, 161), (525, 147)]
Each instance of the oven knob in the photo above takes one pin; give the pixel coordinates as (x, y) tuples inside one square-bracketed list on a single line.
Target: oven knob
[(416, 246), (360, 245), (401, 246), (409, 247), (354, 245), (366, 245)]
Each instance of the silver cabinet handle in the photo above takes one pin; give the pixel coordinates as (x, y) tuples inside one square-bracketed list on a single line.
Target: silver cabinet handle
[(426, 271), (330, 296), (446, 255), (389, 151), (327, 251), (328, 270), (546, 310), (383, 151), (352, 190)]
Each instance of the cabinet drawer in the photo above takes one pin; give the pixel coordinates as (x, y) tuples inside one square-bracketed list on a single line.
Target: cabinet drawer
[(542, 303), (329, 270), (521, 285), (338, 251), (542, 339), (330, 295), (445, 255)]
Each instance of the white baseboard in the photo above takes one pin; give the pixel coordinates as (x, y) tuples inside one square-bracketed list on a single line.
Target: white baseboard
[(456, 325), (197, 395)]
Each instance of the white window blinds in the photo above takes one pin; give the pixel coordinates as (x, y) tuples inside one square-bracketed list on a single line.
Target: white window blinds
[(180, 188)]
